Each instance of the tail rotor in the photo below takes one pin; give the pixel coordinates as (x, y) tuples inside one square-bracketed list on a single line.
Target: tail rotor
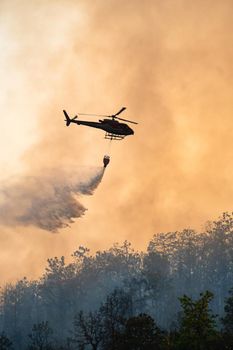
[(68, 120)]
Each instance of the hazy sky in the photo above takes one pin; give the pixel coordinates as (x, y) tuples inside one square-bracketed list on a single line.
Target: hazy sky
[(170, 62)]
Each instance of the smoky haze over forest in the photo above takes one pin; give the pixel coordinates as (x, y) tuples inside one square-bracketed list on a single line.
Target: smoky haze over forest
[(93, 295), (170, 63)]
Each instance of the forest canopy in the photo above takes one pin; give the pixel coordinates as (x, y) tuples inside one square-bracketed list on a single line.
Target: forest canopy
[(159, 289)]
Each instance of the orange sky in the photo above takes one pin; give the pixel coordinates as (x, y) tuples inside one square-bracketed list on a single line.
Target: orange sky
[(170, 63)]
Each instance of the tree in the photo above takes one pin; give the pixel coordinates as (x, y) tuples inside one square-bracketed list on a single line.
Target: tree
[(88, 330), (198, 326), (158, 285), (227, 321), (40, 338), (141, 333), (19, 304), (156, 271), (59, 294), (115, 311), (5, 343), (219, 258)]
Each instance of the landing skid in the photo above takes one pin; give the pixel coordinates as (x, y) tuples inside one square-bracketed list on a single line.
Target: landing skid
[(109, 136)]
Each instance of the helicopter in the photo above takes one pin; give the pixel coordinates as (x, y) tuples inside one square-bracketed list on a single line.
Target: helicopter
[(113, 128)]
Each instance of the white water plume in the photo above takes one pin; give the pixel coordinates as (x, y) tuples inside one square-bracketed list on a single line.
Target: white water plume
[(49, 201)]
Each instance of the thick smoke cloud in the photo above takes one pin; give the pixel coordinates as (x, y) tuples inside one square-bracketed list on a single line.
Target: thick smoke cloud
[(49, 201), (170, 63)]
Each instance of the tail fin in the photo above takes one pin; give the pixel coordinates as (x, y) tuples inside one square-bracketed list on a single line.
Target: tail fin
[(67, 120)]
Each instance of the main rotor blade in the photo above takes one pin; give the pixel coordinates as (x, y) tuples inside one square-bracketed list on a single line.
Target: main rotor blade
[(120, 111), (126, 120), (104, 115), (96, 115)]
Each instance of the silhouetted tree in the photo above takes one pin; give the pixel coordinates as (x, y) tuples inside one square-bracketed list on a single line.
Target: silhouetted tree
[(19, 309), (5, 343), (88, 330), (115, 311), (156, 272), (141, 333), (227, 321), (40, 337)]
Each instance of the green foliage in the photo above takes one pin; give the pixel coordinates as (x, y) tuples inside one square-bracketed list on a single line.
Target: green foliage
[(198, 326), (227, 320)]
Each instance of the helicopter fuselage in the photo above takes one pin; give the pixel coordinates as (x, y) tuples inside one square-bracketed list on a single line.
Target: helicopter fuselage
[(110, 126)]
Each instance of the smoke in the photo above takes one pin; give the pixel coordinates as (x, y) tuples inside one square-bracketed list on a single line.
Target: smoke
[(169, 62), (49, 202)]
